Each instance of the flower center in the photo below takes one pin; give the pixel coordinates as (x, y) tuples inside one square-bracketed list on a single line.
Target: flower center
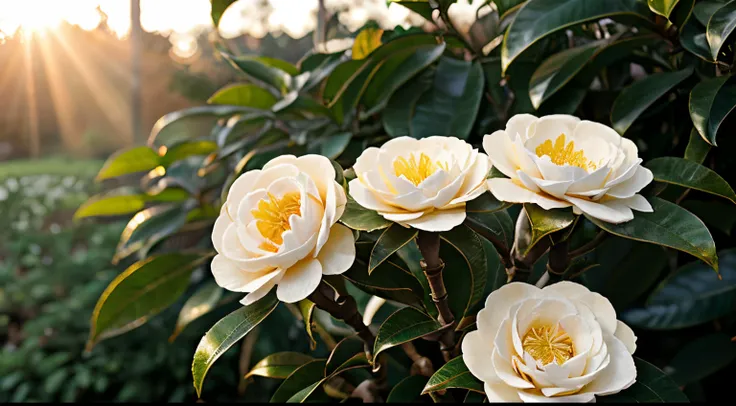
[(548, 344), (416, 171), (561, 153), (272, 218)]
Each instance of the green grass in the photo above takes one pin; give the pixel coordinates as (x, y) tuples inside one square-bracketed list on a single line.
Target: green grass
[(53, 166)]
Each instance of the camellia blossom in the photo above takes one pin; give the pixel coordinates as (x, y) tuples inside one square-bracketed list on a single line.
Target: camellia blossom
[(560, 161), (561, 343), (421, 183), (278, 227)]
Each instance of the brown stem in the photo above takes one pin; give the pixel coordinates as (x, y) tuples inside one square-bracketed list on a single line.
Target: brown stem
[(432, 265), (558, 258), (521, 265), (589, 246)]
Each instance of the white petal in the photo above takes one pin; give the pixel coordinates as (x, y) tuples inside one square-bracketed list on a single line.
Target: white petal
[(604, 312), (553, 187), (576, 398), (228, 275), (476, 175), (366, 198), (610, 211), (218, 231), (620, 372), (586, 129), (552, 171), (519, 124), (439, 220), (626, 335), (367, 161), (506, 190), (507, 374), (624, 173), (477, 351), (641, 178), (330, 215), (499, 302), (401, 217), (243, 185), (501, 393), (500, 151), (527, 181), (338, 254), (256, 295), (590, 182), (320, 170), (639, 203), (550, 127), (299, 281), (274, 173)]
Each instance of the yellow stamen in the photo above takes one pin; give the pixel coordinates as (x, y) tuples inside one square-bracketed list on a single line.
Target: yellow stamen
[(415, 171), (272, 218), (561, 153), (548, 344)]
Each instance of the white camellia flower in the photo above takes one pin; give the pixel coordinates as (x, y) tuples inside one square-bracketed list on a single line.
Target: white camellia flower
[(560, 161), (561, 343), (421, 183), (278, 227)]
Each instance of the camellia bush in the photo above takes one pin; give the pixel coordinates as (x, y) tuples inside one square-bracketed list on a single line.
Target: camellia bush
[(527, 210)]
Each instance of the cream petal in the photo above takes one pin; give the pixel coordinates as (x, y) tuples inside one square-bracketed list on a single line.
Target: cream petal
[(550, 127), (551, 171), (501, 393), (434, 183), (476, 175), (620, 372), (482, 188), (413, 201), (279, 160), (624, 174), (604, 312), (366, 198), (641, 178), (626, 335), (593, 181), (506, 190), (638, 203), (401, 217), (477, 351), (231, 246), (218, 231), (499, 302), (580, 334), (338, 254), (528, 397), (367, 161), (519, 124), (259, 293), (447, 193), (243, 185), (320, 170), (264, 278), (524, 159), (553, 391), (502, 339), (587, 129), (610, 211), (554, 188), (299, 281), (500, 151), (229, 276), (439, 220), (506, 373), (330, 214), (527, 181), (274, 173)]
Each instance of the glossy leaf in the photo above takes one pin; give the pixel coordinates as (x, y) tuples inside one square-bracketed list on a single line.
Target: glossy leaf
[(200, 303), (538, 18), (408, 390), (187, 149), (662, 7), (701, 103), (225, 333), (681, 172), (701, 358), (420, 7), (691, 296), (693, 39), (137, 159), (279, 64), (498, 224), (545, 222), (140, 292), (450, 106), (402, 326), (651, 386), (218, 9), (390, 241), (454, 374), (114, 205), (189, 123), (467, 243), (366, 42), (389, 281), (359, 218), (669, 225), (256, 69), (148, 226), (279, 365), (336, 144), (245, 95), (348, 354), (306, 309), (720, 26), (723, 105), (397, 117), (303, 377), (485, 203), (704, 10), (638, 96)]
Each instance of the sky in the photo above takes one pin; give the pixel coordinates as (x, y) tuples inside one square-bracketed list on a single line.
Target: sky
[(182, 20)]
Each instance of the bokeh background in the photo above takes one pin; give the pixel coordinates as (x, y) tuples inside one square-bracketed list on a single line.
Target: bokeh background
[(80, 79)]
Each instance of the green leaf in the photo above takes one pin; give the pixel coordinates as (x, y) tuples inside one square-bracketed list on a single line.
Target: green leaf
[(279, 365), (558, 70), (454, 374), (662, 7), (348, 354), (149, 226), (716, 213), (190, 123), (545, 222), (186, 149), (114, 205), (200, 303), (669, 225), (389, 281), (693, 39), (704, 10), (306, 309), (651, 386), (279, 64), (420, 7), (538, 18), (256, 69), (408, 390), (136, 159), (390, 241), (701, 103), (359, 218), (723, 105), (701, 358), (720, 26), (691, 296), (485, 203), (450, 106), (498, 224), (141, 291), (366, 42), (225, 333), (218, 9), (637, 97), (245, 95), (689, 174), (303, 377), (402, 326), (397, 116), (467, 243), (336, 144)]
